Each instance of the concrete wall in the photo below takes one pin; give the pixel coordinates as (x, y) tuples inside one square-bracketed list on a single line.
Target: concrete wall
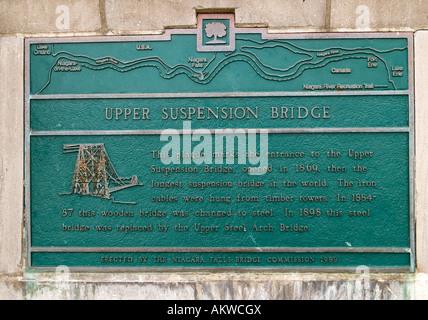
[(50, 18)]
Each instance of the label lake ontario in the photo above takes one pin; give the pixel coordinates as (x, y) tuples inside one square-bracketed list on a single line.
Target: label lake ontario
[(220, 149)]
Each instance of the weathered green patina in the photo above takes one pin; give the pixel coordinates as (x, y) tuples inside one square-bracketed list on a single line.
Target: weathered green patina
[(107, 188)]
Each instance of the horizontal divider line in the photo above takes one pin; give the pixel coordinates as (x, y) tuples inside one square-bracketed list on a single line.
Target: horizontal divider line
[(215, 269), (222, 269), (218, 94), (222, 249), (213, 131)]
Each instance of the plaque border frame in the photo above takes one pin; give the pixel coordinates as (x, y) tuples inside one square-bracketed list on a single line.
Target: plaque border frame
[(29, 249)]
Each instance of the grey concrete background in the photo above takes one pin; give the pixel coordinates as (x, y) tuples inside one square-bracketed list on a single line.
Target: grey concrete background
[(50, 18)]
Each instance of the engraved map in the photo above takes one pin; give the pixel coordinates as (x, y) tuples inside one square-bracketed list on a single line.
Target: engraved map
[(289, 63)]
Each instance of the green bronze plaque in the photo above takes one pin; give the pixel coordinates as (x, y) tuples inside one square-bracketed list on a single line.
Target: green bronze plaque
[(220, 148)]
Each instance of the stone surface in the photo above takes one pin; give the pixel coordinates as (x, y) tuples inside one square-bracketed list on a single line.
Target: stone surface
[(310, 287), (11, 155), (379, 15), (26, 16), (421, 119), (148, 16), (22, 18), (11, 288), (245, 286), (137, 15), (421, 286), (279, 14), (75, 290)]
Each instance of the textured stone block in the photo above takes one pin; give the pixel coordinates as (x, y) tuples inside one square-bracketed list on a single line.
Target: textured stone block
[(340, 288), (379, 15), (22, 16), (421, 119), (309, 14), (155, 15), (102, 290), (11, 153), (11, 289)]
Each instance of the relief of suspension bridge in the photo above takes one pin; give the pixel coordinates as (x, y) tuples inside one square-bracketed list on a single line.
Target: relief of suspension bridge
[(94, 174)]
